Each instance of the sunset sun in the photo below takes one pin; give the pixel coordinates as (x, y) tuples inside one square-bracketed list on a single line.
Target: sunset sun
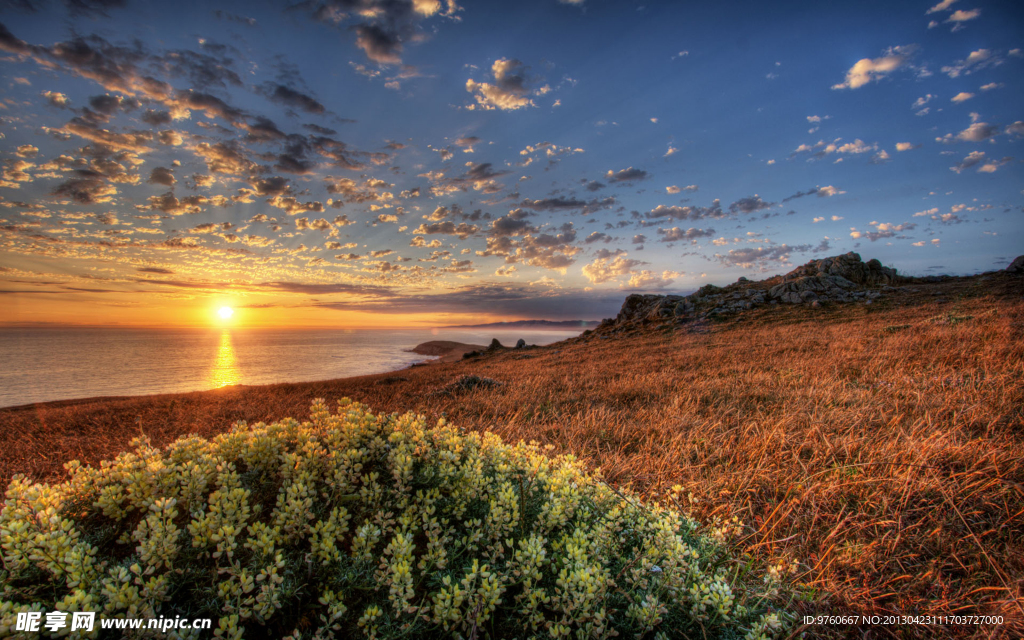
[(225, 313)]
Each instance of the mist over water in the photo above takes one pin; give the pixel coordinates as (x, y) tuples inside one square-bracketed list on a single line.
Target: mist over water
[(45, 364)]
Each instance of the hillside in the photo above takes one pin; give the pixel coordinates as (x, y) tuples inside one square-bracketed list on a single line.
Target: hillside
[(876, 436)]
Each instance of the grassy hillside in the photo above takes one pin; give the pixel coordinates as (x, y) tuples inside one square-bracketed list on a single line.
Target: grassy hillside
[(880, 445)]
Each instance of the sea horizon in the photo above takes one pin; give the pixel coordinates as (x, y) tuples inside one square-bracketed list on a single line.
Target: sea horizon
[(69, 362)]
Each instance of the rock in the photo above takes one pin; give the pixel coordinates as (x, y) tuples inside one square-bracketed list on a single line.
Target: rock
[(466, 383), (495, 345), (520, 344), (815, 305), (842, 278), (1017, 266)]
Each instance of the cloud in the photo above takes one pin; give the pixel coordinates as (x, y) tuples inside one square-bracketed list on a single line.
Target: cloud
[(56, 99), (462, 230), (15, 172), (882, 230), (923, 100), (91, 190), (161, 175), (379, 44), (687, 213), (511, 89), (675, 234), (548, 250), (136, 141), (960, 16), (388, 24), (821, 148), (479, 177), (978, 59), (906, 146), (648, 280), (992, 165), (273, 186), (881, 157), (354, 192), (749, 204), (822, 192), (963, 96), (748, 257), (972, 159), (626, 175), (293, 207), (584, 207), (942, 6), (603, 270), (977, 132), (867, 69), (674, 189), (169, 203), (224, 158), (515, 223), (286, 95), (93, 8)]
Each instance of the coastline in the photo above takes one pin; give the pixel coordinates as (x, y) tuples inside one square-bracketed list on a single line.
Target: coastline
[(53, 365), (443, 351)]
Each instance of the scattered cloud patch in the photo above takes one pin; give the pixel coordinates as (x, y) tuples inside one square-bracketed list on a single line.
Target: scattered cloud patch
[(626, 175), (510, 90), (873, 69)]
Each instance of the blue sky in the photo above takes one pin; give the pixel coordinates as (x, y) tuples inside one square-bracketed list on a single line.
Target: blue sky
[(367, 161)]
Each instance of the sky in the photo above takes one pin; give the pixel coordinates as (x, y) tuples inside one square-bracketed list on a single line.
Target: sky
[(384, 163)]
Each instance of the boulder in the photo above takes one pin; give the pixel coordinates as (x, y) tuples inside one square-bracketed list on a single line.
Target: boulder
[(1017, 266), (520, 344)]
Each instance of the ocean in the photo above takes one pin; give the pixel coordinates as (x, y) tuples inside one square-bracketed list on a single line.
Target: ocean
[(45, 364)]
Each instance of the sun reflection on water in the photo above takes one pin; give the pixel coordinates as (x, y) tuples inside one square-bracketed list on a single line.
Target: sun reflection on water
[(225, 370)]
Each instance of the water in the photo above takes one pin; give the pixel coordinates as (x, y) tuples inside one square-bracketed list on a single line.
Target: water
[(45, 364)]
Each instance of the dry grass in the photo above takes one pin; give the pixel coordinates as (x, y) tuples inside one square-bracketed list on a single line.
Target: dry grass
[(882, 446)]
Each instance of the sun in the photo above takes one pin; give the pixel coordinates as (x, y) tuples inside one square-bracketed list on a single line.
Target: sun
[(225, 313)]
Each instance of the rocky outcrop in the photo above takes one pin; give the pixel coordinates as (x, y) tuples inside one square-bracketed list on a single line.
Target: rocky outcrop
[(834, 279), (844, 278), (1017, 266)]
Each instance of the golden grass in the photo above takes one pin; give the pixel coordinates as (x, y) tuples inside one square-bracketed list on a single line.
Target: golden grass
[(882, 446)]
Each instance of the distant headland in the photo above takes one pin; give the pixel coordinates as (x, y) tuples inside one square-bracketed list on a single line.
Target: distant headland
[(554, 325)]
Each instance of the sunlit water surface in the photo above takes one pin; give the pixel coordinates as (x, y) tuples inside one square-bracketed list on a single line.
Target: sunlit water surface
[(44, 364)]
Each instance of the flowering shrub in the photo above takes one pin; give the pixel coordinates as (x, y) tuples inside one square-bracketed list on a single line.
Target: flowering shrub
[(357, 525)]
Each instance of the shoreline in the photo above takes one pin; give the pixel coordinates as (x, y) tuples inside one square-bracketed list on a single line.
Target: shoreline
[(438, 352)]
